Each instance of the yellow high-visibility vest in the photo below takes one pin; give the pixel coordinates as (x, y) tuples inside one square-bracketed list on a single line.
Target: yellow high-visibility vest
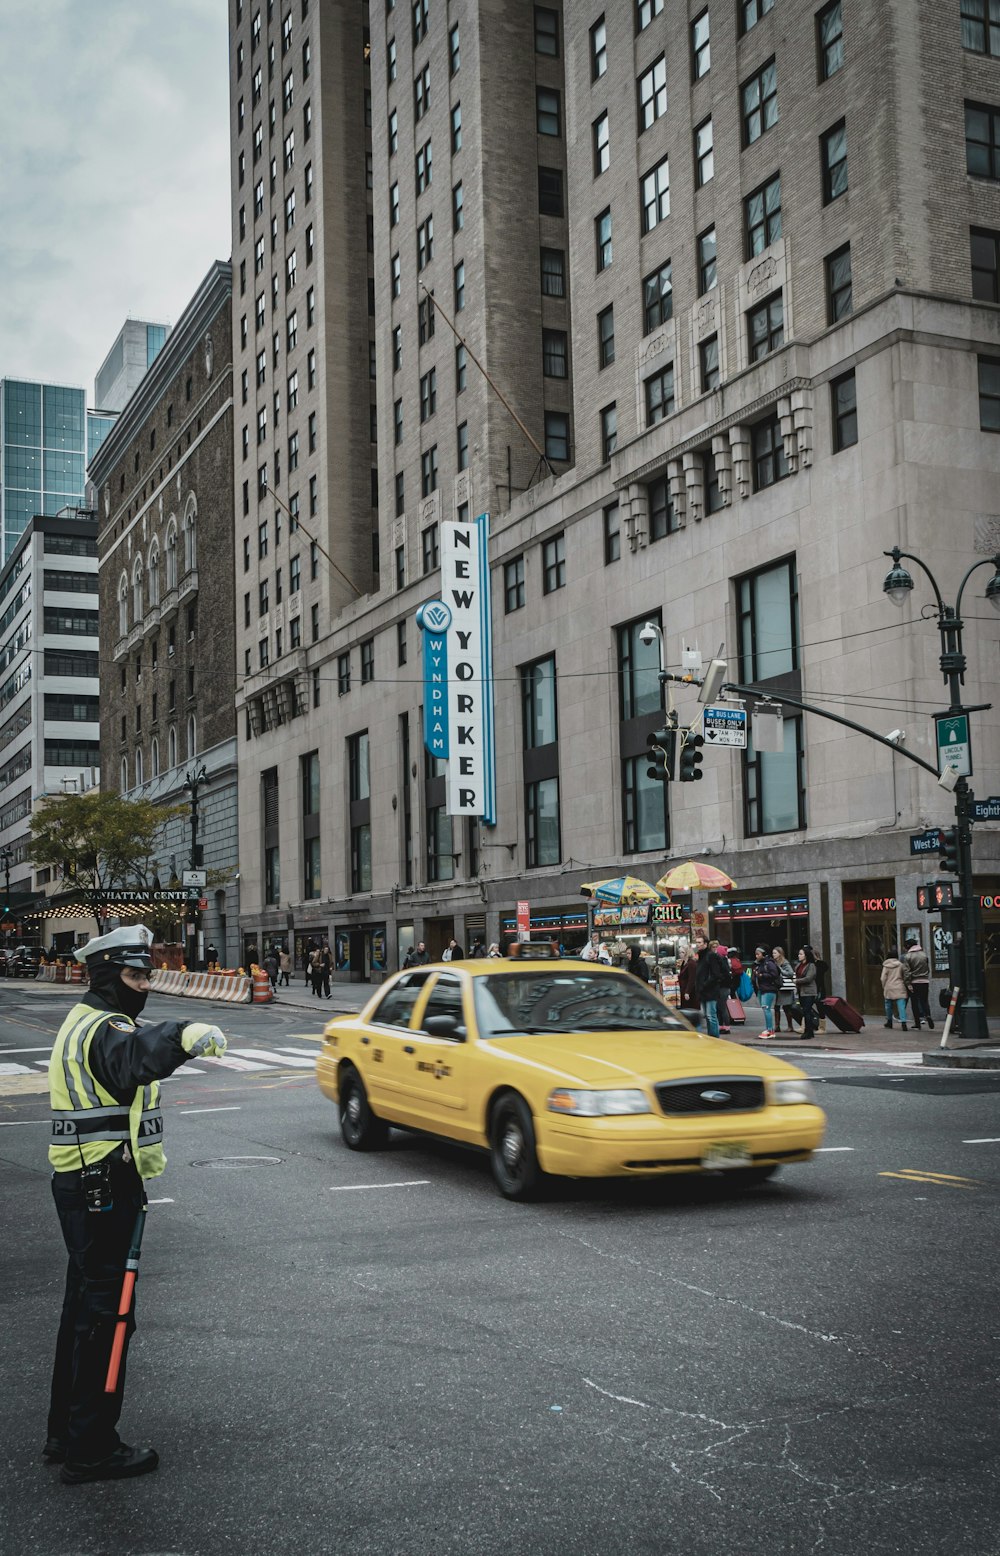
[(87, 1121)]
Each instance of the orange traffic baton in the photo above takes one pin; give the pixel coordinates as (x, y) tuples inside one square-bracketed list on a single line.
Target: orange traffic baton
[(125, 1301)]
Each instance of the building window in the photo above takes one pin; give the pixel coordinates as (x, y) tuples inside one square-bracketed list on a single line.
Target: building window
[(367, 661), (513, 585), (462, 445), (658, 390), (645, 10), (554, 347), (421, 93), (774, 785), (457, 211), (429, 471), (644, 807), (554, 564), (557, 436), (989, 394), (662, 514), (708, 271), (612, 534), (657, 298), (440, 845), (454, 51), (460, 286), (359, 796), (548, 111), (397, 421), (766, 327), (425, 321), (425, 243), (652, 93), (602, 145), (602, 239), (713, 491), (553, 273), (704, 153), (751, 12), (546, 31), (701, 51), (598, 49), (838, 284), (423, 166), (769, 462), (656, 195), (538, 704), (638, 671), (399, 493), (844, 407), (609, 431), (429, 548), (767, 607), (833, 147), (830, 39), (981, 26), (541, 805), (985, 248), (343, 674), (428, 395), (759, 97), (550, 191), (982, 141), (293, 452), (606, 336), (708, 355), (762, 216), (461, 369)]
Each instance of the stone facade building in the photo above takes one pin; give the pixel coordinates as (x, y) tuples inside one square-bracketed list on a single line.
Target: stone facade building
[(164, 490), (736, 276)]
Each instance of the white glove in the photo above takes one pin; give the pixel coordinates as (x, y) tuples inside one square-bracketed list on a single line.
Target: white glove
[(199, 1039)]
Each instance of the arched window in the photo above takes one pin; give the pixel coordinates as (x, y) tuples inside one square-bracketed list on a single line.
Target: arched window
[(190, 538), (138, 766), (172, 747), (192, 749), (172, 553), (154, 573), (154, 759), (123, 606), (123, 786), (137, 611)]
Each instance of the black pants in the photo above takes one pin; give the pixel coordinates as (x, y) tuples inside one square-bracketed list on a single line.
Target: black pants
[(920, 1003), (80, 1413)]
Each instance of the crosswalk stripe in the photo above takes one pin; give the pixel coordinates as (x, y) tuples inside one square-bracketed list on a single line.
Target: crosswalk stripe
[(224, 1062), (17, 1069), (297, 1063)]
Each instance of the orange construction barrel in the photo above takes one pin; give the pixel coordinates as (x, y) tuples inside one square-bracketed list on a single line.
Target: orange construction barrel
[(262, 992)]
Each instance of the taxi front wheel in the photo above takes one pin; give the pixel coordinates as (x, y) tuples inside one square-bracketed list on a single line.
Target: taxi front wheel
[(360, 1129), (512, 1148)]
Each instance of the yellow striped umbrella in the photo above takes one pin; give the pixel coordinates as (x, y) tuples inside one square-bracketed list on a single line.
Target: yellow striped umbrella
[(695, 876)]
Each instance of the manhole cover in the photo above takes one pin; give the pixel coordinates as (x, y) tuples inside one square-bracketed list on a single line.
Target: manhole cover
[(241, 1161)]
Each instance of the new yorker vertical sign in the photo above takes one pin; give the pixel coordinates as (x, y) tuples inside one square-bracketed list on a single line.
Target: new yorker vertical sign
[(458, 671)]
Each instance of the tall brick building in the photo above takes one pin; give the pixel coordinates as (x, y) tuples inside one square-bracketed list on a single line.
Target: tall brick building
[(164, 489), (735, 270)]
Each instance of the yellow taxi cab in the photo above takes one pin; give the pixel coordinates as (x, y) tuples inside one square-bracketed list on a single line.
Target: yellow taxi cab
[(561, 1067)]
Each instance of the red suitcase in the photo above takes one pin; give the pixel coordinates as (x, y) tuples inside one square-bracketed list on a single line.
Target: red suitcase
[(736, 1015), (844, 1017)]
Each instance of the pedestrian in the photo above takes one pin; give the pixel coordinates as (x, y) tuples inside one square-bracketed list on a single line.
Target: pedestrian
[(478, 948), (107, 1139), (421, 955), (787, 991), (687, 972), (212, 954), (452, 952), (494, 952), (271, 966), (326, 968), (307, 955), (316, 970), (895, 988), (637, 964), (711, 981), (592, 950), (806, 988), (735, 972), (822, 990), (920, 981), (410, 958), (765, 975)]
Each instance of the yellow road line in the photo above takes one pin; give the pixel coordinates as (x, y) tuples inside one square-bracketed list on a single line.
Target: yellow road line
[(944, 1180)]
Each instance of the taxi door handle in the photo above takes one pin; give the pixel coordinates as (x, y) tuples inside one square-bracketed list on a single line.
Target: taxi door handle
[(366, 1040), (408, 1048)]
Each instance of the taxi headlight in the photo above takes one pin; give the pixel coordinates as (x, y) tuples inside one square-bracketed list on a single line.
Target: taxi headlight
[(793, 1091), (597, 1104)]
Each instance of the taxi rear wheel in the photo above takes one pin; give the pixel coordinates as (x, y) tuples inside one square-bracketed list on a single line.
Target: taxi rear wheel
[(513, 1156), (360, 1129)]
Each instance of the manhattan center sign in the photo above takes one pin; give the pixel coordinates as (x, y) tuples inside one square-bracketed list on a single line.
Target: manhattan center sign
[(458, 671)]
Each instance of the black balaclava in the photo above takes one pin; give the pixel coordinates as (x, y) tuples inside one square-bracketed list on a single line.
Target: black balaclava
[(105, 980)]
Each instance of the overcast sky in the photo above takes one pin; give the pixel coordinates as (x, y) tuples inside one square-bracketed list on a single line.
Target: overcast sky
[(114, 173)]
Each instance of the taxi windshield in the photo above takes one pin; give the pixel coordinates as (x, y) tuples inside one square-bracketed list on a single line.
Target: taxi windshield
[(511, 1004)]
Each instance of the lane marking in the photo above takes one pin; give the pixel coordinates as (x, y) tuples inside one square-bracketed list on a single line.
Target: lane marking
[(16, 1069), (26, 1050), (13, 1123), (298, 1063), (988, 1140), (184, 1071), (225, 1063), (230, 1107), (943, 1180), (159, 1202), (826, 1150), (409, 1183)]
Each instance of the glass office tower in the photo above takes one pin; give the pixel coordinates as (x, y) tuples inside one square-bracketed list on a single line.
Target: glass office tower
[(46, 439)]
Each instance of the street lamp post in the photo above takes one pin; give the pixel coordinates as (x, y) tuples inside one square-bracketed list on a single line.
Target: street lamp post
[(192, 782), (898, 586)]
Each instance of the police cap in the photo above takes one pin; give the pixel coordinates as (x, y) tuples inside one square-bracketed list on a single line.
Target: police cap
[(128, 947)]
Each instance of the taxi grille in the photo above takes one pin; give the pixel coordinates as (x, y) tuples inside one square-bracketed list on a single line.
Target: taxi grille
[(714, 1094)]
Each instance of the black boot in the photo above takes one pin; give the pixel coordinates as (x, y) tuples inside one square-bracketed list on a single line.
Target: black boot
[(904, 1027), (887, 1024), (123, 1464)]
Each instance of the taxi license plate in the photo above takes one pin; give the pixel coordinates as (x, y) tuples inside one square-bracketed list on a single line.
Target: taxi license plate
[(734, 1153)]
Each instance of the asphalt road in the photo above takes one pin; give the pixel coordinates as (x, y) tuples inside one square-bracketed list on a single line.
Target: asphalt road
[(356, 1354)]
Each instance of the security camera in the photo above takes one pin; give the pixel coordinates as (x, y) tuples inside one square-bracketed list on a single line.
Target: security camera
[(648, 634), (896, 737)]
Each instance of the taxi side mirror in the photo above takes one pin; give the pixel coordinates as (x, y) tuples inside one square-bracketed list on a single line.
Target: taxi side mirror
[(445, 1026)]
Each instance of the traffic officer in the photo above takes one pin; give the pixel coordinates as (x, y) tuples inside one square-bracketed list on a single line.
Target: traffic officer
[(107, 1138)]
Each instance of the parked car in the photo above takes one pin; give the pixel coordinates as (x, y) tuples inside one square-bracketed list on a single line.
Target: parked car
[(23, 961), (565, 1068)]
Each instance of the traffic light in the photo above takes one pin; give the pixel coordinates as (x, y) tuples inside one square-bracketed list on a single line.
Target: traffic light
[(662, 748), (925, 899), (944, 894), (691, 757), (948, 847)]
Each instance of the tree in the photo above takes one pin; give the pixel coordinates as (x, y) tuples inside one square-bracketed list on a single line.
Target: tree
[(99, 843)]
